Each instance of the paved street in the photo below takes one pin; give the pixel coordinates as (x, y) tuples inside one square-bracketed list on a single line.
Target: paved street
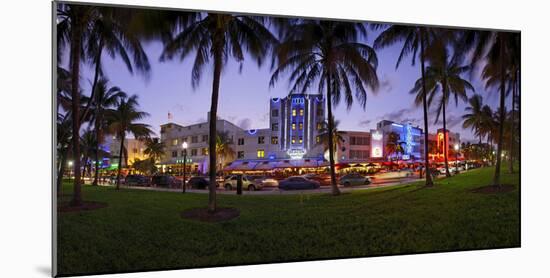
[(377, 183)]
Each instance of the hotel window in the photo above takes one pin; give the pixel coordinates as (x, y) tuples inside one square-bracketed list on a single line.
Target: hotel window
[(174, 142), (274, 140), (182, 153), (204, 151), (135, 150), (261, 140), (261, 153), (301, 112), (240, 154), (194, 139), (205, 138), (301, 126), (293, 126), (193, 152), (293, 112), (275, 126), (240, 141), (319, 126), (300, 139), (275, 113), (318, 139), (174, 153), (293, 139)]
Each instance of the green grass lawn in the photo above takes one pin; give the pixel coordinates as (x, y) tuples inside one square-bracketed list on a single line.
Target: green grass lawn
[(143, 230)]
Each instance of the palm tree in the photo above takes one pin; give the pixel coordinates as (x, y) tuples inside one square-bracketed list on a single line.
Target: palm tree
[(336, 134), (393, 145), (105, 98), (500, 52), (475, 116), (110, 33), (416, 39), (88, 146), (217, 37), (154, 149), (122, 120), (223, 148), (63, 146), (72, 28), (443, 76), (332, 53)]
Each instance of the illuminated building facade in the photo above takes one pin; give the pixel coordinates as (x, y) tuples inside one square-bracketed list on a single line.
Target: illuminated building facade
[(438, 145), (294, 125), (409, 138)]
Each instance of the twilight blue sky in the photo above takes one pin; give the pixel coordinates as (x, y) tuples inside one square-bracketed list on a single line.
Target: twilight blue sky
[(244, 97)]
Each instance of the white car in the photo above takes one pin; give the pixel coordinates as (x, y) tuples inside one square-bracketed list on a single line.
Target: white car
[(264, 181), (248, 183), (443, 171)]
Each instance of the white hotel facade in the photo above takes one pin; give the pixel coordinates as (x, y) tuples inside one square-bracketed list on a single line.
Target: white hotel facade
[(291, 140)]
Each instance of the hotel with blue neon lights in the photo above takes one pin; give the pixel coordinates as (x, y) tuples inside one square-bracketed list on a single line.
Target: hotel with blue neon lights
[(292, 139)]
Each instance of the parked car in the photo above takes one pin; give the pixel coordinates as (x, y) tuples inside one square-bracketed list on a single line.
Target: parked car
[(443, 171), (323, 179), (393, 174), (354, 179), (298, 182), (248, 183), (112, 179), (166, 181), (199, 182), (265, 181), (137, 180)]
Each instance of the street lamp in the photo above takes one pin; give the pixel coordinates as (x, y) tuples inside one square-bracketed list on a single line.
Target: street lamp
[(184, 145), (70, 163), (457, 147)]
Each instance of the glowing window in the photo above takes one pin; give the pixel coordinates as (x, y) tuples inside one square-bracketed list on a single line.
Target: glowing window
[(293, 112), (293, 126), (301, 126), (261, 153), (301, 112)]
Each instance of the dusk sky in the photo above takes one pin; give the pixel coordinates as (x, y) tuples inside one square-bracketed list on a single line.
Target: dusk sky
[(244, 97)]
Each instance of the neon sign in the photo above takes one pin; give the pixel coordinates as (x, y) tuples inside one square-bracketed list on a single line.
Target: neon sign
[(377, 144), (296, 153)]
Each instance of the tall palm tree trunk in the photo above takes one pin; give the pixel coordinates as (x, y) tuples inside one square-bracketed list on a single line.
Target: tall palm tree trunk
[(98, 136), (335, 190), (445, 136), (212, 125), (76, 42), (496, 177), (61, 170), (512, 127), (120, 153), (429, 181)]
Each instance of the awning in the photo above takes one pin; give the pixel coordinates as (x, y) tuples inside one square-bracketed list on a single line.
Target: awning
[(265, 165), (240, 166)]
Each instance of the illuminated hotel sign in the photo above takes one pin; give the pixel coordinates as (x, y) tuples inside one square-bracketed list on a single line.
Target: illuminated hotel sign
[(376, 144), (296, 153)]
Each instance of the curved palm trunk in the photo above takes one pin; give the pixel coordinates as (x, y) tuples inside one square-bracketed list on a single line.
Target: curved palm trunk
[(445, 146), (429, 181), (496, 177), (212, 126), (76, 42), (94, 83), (335, 190), (122, 138)]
